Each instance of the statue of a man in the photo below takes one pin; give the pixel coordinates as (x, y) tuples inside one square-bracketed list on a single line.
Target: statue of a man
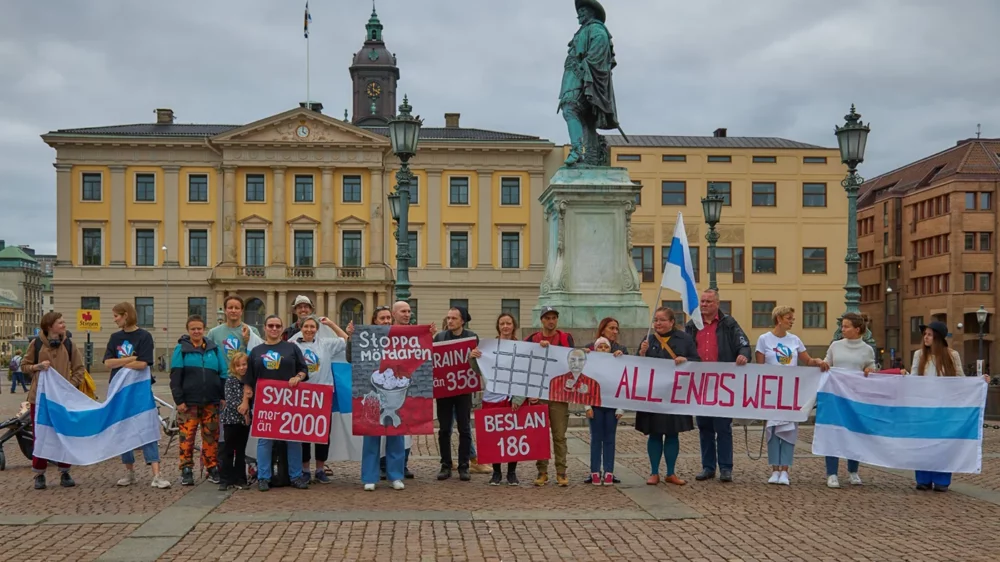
[(587, 98)]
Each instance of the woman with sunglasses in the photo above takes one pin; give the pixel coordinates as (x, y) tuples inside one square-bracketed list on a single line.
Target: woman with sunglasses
[(278, 360)]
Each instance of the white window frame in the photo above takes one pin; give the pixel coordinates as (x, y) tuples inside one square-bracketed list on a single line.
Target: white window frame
[(98, 172), (340, 246), (208, 188), (468, 186), (264, 202), (510, 229), (295, 175), (467, 230), (243, 243), (316, 244), (157, 251), (193, 225), (88, 224), (135, 187)]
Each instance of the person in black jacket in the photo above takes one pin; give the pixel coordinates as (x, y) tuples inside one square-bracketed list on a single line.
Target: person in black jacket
[(721, 340), (666, 342), (197, 383), (457, 407)]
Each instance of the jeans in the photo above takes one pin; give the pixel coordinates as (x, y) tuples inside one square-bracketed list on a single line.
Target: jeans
[(716, 433), (450, 409), (603, 428), (394, 458), (232, 460), (472, 444), (264, 461), (669, 446), (208, 418), (17, 377), (150, 454), (780, 452), (559, 421), (833, 465), (406, 461), (939, 479)]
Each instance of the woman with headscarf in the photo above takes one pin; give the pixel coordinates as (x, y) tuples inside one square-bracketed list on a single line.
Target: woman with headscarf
[(666, 342)]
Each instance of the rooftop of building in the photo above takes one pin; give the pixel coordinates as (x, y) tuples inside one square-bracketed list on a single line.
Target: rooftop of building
[(9, 303), (714, 141), (970, 159), (14, 253)]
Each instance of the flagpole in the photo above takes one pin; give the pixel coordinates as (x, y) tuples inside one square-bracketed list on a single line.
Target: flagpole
[(650, 329), (308, 99)]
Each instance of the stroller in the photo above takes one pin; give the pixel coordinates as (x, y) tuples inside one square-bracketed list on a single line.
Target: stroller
[(18, 427)]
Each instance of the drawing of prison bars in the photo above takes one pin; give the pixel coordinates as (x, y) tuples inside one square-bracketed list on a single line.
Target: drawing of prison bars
[(520, 380)]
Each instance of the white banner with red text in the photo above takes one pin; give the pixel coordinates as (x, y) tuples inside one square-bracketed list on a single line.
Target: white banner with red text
[(644, 384)]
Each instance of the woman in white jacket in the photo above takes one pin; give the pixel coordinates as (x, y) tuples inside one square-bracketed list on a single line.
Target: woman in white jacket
[(321, 350)]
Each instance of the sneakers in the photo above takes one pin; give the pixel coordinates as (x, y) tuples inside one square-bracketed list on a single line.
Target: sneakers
[(39, 481), (855, 479), (832, 481), (407, 474), (705, 474), (543, 479), (562, 480), (496, 479), (923, 487), (463, 474), (128, 479), (66, 481), (772, 480), (160, 482), (595, 478), (609, 479), (224, 486), (398, 485), (445, 473), (369, 487), (321, 477), (187, 476), (783, 478), (263, 485), (213, 475), (301, 483), (512, 479)]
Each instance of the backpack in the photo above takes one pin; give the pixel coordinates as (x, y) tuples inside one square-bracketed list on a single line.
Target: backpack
[(15, 364)]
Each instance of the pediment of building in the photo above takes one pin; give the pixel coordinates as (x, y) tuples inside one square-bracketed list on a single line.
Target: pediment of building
[(351, 220), (301, 127), (254, 220)]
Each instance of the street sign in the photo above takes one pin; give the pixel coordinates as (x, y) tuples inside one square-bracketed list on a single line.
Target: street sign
[(88, 320)]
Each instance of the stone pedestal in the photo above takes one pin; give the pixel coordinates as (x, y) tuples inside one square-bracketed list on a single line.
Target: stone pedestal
[(589, 273)]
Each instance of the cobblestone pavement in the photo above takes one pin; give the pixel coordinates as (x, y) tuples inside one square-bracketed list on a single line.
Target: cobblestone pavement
[(883, 520)]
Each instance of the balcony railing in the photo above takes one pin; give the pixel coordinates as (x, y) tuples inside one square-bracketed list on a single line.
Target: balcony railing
[(351, 272), (250, 271), (300, 272)]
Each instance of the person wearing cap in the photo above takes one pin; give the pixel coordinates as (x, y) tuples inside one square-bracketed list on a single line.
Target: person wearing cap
[(303, 308), (558, 411), (455, 408), (935, 359)]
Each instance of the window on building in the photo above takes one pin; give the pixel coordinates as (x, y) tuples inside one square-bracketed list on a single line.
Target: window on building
[(145, 247), (90, 303), (458, 191), (761, 317), (985, 241), (198, 248), (145, 187), (673, 193), (510, 191), (512, 307), (629, 157), (765, 260), (92, 247), (985, 282), (814, 160), (814, 315), (915, 323), (198, 306), (885, 244), (720, 158), (255, 188), (304, 189), (255, 247), (638, 194), (764, 194), (814, 195), (642, 256), (970, 241), (726, 307), (510, 250), (970, 201), (765, 160), (92, 187), (970, 281), (674, 158), (352, 190), (814, 261), (725, 260), (303, 245), (351, 243), (198, 188), (678, 309), (144, 311), (459, 249), (725, 189), (985, 200), (413, 243), (414, 194)]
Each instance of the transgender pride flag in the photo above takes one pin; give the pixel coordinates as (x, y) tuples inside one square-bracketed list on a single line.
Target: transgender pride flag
[(903, 422)]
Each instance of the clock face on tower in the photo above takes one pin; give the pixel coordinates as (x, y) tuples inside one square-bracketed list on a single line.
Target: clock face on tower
[(374, 90)]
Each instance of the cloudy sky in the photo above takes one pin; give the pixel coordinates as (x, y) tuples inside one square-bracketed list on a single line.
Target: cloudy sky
[(922, 71)]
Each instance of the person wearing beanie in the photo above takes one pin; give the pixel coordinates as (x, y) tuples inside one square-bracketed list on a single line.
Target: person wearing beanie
[(455, 408)]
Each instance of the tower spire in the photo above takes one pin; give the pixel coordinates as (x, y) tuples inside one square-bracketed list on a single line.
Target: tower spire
[(374, 27)]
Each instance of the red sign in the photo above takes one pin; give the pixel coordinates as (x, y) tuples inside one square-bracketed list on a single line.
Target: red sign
[(453, 376), (292, 414), (504, 435)]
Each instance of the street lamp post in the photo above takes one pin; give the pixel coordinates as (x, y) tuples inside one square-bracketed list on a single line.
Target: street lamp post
[(711, 205), (852, 139), (981, 316), (404, 134)]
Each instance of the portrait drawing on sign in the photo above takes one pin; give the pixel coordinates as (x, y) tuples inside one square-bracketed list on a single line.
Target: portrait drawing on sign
[(575, 386)]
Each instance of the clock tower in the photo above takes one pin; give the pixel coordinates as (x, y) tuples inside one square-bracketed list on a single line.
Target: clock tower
[(374, 75)]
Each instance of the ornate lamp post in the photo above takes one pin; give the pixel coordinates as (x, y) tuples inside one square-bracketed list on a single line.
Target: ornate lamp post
[(981, 316), (852, 139), (404, 134), (711, 205)]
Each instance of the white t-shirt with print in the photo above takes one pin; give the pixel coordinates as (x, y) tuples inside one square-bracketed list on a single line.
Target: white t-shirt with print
[(781, 351)]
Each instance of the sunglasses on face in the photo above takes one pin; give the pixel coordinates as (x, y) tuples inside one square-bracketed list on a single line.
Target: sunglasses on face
[(273, 326)]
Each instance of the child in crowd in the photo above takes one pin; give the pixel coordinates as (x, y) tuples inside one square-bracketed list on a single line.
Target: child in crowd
[(603, 429), (235, 419)]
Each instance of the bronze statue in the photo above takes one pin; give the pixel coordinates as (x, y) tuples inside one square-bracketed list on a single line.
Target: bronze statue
[(587, 97)]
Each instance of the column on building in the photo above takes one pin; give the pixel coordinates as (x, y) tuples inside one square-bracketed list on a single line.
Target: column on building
[(171, 200), (229, 212), (220, 300), (219, 250), (369, 304), (64, 219), (485, 220), (331, 307), (320, 304), (326, 217), (270, 303), (283, 304), (376, 242), (434, 191), (117, 234), (536, 226), (280, 220)]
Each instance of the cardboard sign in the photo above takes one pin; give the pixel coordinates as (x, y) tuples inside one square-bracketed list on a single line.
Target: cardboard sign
[(453, 376), (299, 414), (504, 435)]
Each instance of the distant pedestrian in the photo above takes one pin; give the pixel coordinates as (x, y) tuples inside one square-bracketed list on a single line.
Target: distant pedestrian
[(17, 376)]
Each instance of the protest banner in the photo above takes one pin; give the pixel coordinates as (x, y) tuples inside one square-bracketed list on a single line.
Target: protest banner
[(392, 382), (507, 435), (285, 413), (629, 382), (453, 376)]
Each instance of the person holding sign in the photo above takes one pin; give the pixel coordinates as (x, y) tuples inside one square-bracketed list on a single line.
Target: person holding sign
[(558, 411), (781, 347), (276, 360), (603, 429), (393, 464), (455, 407), (663, 430)]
